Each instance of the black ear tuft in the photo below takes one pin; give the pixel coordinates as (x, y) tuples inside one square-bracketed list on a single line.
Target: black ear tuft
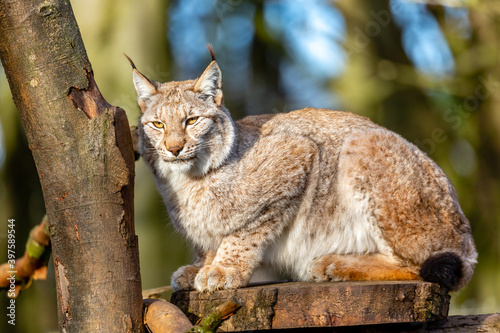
[(443, 268), (130, 60), (211, 50), (144, 87)]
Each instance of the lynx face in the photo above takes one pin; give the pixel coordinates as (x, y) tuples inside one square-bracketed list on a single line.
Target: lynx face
[(184, 127)]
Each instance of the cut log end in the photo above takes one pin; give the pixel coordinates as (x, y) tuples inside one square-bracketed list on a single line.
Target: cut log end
[(162, 316)]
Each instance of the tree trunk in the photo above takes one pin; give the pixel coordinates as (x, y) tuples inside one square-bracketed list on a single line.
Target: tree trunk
[(83, 152)]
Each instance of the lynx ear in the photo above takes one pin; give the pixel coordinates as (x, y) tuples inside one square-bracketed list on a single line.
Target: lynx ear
[(144, 87), (209, 84)]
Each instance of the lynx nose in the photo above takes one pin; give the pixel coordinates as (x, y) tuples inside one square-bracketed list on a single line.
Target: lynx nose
[(175, 150)]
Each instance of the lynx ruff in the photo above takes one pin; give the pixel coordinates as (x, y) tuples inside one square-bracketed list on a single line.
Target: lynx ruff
[(314, 194)]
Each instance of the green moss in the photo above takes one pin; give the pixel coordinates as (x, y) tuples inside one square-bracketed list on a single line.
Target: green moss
[(208, 324), (34, 249)]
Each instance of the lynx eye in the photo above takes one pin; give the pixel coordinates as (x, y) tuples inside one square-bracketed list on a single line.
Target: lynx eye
[(191, 120), (158, 124)]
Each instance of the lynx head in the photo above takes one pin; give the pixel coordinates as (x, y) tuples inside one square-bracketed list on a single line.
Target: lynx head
[(184, 127)]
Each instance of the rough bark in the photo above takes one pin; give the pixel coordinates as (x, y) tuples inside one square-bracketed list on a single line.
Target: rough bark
[(316, 305), (487, 323), (83, 152)]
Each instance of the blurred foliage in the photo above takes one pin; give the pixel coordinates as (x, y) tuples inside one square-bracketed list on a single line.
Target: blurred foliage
[(428, 72)]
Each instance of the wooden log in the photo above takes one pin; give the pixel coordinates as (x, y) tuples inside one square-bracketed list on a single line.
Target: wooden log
[(315, 305), (488, 323)]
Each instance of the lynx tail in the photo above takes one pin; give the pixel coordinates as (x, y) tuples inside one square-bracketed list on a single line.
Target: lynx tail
[(443, 268)]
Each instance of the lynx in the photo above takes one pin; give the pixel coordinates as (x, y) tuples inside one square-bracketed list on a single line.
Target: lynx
[(314, 194)]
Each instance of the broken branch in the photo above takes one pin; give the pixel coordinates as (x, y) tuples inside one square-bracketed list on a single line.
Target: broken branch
[(32, 265), (211, 322)]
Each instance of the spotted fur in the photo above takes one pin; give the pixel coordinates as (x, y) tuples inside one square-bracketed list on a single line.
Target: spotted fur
[(314, 194)]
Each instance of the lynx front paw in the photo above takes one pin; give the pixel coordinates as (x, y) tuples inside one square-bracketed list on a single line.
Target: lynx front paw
[(183, 278), (214, 277)]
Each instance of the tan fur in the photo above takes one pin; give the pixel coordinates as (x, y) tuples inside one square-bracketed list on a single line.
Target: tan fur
[(313, 194), (360, 268)]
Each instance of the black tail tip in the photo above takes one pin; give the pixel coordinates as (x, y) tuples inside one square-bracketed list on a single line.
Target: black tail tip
[(443, 268)]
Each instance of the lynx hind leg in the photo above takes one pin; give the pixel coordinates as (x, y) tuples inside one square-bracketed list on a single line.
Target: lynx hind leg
[(414, 204), (338, 267)]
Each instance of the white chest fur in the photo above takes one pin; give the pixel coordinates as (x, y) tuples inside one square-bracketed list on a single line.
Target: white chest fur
[(195, 209)]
